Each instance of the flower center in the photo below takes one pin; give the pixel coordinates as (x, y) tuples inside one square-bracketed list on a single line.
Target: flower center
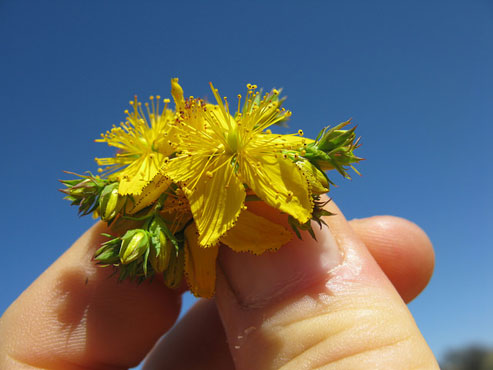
[(232, 141)]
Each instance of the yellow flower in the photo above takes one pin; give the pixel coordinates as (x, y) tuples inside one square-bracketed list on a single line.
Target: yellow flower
[(144, 141), (220, 154)]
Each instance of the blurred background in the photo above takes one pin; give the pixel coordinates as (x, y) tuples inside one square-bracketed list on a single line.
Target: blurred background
[(416, 77)]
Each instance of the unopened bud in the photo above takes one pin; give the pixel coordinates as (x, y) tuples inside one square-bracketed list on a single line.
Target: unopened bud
[(110, 203), (174, 274), (160, 262), (160, 251), (79, 189), (134, 244)]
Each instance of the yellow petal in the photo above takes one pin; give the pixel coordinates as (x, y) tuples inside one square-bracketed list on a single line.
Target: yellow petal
[(219, 121), (318, 182), (177, 93), (183, 168), (281, 141), (200, 265), (213, 191), (255, 234), (216, 203), (150, 193), (136, 176), (280, 183)]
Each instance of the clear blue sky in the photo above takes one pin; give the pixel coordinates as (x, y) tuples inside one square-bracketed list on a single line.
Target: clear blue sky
[(416, 77)]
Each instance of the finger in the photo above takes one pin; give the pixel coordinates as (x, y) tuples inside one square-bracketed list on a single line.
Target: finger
[(316, 304), (196, 342), (402, 250), (390, 240), (75, 316)]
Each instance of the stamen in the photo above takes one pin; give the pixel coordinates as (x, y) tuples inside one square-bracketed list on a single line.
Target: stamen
[(239, 103)]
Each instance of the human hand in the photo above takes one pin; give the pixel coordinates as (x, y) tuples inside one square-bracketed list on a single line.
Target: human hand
[(302, 307)]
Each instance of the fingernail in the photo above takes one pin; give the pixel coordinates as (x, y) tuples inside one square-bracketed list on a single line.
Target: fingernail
[(259, 280)]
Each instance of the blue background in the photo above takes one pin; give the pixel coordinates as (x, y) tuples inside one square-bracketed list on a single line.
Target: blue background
[(415, 76)]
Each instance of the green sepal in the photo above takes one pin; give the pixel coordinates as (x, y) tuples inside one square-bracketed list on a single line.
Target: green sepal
[(84, 192), (108, 253), (317, 214), (334, 149)]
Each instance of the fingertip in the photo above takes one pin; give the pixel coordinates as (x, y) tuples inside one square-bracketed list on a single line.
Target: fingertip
[(401, 248)]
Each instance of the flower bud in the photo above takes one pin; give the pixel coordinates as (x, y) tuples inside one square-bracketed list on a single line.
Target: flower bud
[(134, 244), (174, 274), (108, 253), (110, 203), (160, 252)]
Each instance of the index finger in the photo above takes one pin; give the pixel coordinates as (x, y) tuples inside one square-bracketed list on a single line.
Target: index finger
[(76, 316)]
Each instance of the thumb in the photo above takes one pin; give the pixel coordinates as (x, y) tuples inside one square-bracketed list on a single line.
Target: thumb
[(315, 304)]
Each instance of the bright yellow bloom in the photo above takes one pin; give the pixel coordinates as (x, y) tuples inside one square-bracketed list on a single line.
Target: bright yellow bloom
[(144, 141), (252, 233), (220, 154)]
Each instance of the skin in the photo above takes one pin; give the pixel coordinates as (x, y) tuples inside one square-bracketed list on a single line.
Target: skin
[(348, 312)]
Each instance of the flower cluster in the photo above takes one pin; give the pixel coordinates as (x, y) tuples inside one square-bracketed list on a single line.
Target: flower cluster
[(181, 181)]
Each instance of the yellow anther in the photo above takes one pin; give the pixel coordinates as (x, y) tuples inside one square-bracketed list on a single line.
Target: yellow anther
[(166, 101), (100, 170), (303, 152), (209, 174), (269, 131), (300, 132)]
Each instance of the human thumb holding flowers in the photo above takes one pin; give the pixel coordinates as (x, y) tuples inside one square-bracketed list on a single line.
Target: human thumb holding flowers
[(208, 193)]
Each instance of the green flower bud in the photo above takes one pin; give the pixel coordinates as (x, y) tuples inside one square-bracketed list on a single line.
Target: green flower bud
[(110, 203), (134, 244), (174, 274), (84, 192), (160, 259), (108, 253)]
